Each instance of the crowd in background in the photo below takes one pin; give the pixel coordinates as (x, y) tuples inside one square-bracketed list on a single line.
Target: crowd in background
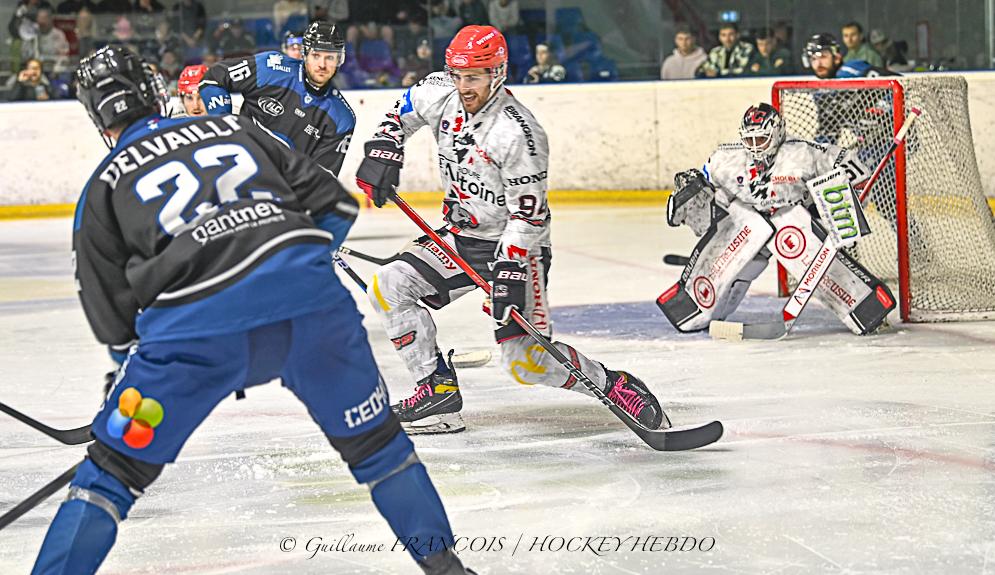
[(766, 55), (388, 44)]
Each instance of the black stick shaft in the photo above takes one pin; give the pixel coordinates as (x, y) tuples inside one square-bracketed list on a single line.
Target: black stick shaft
[(37, 497)]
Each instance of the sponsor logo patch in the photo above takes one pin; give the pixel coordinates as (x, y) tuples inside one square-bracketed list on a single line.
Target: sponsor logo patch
[(271, 106), (790, 242), (404, 341), (704, 292)]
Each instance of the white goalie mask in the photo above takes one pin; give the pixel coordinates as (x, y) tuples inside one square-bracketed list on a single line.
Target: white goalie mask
[(762, 131)]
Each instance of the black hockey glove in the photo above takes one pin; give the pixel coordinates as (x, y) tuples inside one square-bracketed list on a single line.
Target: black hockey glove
[(507, 289), (380, 171), (457, 215)]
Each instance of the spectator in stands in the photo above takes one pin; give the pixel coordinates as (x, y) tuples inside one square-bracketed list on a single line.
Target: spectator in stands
[(293, 44), (169, 66), (444, 21), (232, 39), (30, 84), (70, 7), (122, 30), (144, 15), (731, 57), (687, 58), (189, 21), (893, 53), (546, 70), (113, 7), (86, 31), (473, 12), (49, 44), (770, 59), (284, 9), (856, 48), (334, 11), (504, 15), (409, 32), (418, 67)]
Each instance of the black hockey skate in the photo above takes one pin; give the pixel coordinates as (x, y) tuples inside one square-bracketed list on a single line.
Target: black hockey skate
[(435, 406), (631, 394), (444, 563)]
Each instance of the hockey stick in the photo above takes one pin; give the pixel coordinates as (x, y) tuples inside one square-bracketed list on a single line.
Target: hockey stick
[(37, 497), (75, 436), (659, 439), (813, 275), (360, 255), (465, 360)]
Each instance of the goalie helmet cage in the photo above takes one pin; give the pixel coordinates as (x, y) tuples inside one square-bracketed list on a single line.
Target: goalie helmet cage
[(932, 233)]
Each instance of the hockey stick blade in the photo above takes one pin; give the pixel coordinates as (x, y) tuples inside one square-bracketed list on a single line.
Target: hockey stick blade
[(37, 497), (737, 331), (472, 358), (675, 260), (678, 439), (77, 436), (361, 256)]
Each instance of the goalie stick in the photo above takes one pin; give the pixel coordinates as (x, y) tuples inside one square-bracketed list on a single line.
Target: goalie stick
[(801, 295), (467, 359), (38, 496), (672, 439), (77, 436), (675, 260)]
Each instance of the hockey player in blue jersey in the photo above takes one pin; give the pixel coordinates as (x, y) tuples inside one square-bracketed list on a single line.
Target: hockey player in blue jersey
[(202, 249), (823, 57), (293, 100)]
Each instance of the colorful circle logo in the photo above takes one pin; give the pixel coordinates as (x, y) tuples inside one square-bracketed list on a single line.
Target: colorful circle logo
[(135, 419)]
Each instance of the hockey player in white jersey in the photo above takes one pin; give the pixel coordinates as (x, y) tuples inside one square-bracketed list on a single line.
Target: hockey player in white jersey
[(749, 203), (493, 159)]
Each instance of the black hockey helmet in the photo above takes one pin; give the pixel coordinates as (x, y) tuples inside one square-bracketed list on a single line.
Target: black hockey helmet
[(817, 44), (117, 87), (324, 37)]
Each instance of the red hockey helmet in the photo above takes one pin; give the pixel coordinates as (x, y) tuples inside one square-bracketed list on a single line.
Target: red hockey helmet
[(190, 78), (479, 47)]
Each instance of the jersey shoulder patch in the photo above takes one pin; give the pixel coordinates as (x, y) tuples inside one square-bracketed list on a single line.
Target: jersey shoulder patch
[(276, 68)]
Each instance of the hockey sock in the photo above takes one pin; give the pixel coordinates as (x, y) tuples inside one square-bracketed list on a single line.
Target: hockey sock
[(440, 364), (406, 498), (85, 527)]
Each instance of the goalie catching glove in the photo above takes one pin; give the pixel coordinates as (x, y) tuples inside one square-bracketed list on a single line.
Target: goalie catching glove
[(380, 171), (691, 202), (507, 289)]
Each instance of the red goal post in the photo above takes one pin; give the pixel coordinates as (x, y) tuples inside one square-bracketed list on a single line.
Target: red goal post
[(929, 217)]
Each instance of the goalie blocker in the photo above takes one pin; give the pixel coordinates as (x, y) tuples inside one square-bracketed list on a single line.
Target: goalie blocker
[(735, 250)]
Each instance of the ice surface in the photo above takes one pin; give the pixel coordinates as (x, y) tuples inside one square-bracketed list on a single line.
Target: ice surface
[(842, 454)]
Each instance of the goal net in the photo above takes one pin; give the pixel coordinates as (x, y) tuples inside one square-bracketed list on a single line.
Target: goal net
[(932, 240)]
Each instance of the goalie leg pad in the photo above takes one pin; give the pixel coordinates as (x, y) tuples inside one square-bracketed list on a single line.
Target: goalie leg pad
[(858, 298), (721, 267)]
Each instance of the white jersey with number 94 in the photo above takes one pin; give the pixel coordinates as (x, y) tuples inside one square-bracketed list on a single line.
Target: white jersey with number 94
[(493, 163)]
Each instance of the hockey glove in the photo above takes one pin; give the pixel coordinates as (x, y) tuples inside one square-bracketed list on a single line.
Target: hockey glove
[(380, 171), (507, 289), (691, 202), (457, 215)]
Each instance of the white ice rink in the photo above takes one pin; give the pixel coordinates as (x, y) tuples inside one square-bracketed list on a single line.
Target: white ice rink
[(841, 454)]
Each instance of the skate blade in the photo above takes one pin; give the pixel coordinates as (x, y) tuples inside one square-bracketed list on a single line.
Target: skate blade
[(472, 358), (435, 425)]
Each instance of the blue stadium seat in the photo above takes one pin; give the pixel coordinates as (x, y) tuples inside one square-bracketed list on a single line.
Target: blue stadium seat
[(375, 56), (603, 70), (586, 47), (569, 20), (575, 72), (265, 35), (296, 23), (519, 55)]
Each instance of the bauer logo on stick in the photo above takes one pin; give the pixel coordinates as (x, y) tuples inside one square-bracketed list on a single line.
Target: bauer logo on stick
[(838, 207)]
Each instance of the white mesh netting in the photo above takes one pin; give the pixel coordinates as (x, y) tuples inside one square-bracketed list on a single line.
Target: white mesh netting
[(951, 237)]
